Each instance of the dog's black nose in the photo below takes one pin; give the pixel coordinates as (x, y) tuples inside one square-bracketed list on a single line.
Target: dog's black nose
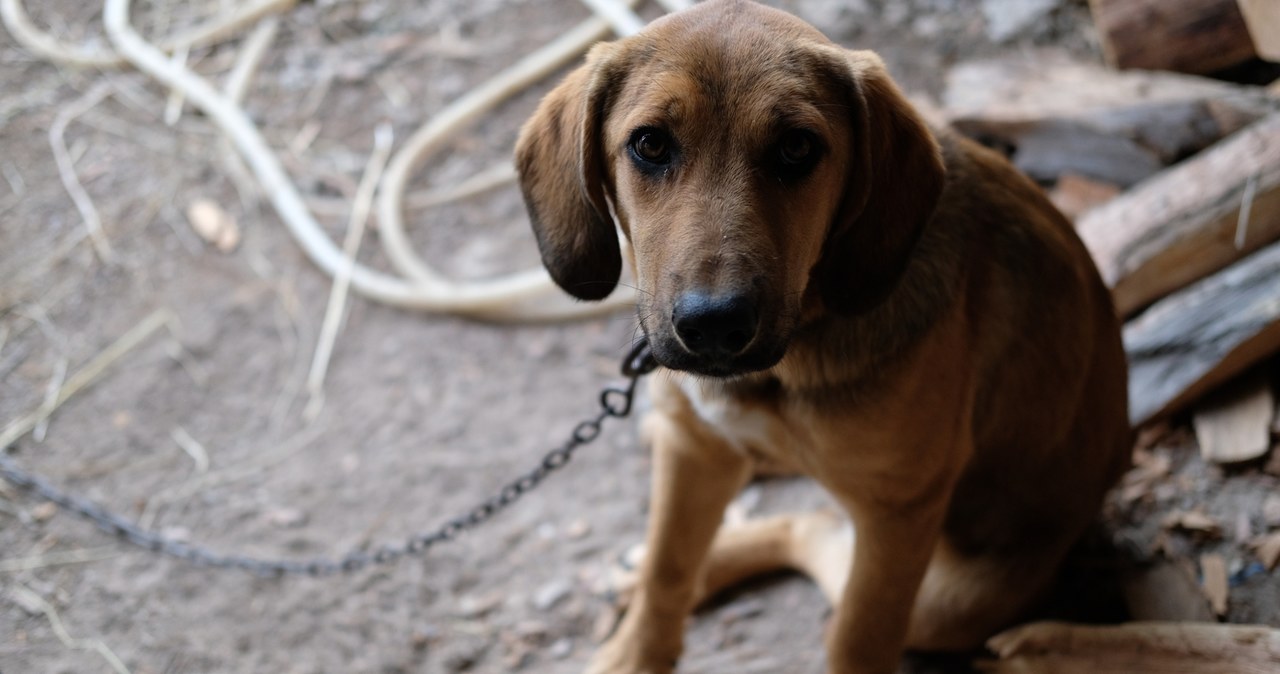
[(714, 326)]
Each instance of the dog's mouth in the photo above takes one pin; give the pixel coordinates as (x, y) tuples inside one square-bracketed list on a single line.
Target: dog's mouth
[(720, 368), (672, 352)]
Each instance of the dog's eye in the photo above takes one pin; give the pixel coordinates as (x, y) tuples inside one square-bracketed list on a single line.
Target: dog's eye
[(796, 149), (652, 146)]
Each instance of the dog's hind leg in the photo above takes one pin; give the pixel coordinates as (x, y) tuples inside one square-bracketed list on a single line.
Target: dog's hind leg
[(817, 544), (960, 603)]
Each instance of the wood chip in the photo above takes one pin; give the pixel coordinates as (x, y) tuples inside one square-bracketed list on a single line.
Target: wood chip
[(214, 224), (1192, 522), (1244, 527), (1271, 510), (1149, 469), (1213, 570), (1234, 425), (1151, 435), (1268, 549), (1262, 18)]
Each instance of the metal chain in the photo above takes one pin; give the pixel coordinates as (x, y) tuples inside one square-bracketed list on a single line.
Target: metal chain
[(614, 402)]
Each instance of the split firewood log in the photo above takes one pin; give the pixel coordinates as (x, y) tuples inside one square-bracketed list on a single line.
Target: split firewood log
[(1196, 339), (1190, 36), (1190, 220), (1135, 648), (1055, 116)]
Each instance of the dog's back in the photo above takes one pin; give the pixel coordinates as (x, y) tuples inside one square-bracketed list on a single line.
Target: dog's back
[(1051, 430)]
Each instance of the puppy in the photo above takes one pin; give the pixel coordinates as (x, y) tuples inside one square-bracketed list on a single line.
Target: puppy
[(833, 288)]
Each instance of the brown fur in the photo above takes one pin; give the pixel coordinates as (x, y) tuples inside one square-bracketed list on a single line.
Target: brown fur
[(934, 344)]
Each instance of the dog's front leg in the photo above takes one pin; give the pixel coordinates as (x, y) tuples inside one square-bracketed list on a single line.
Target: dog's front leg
[(890, 556), (895, 540), (695, 476)]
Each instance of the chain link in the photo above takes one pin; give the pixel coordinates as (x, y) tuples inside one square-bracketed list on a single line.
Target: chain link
[(614, 402)]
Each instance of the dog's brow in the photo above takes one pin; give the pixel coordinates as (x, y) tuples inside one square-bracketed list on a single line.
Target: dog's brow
[(663, 99), (792, 115)]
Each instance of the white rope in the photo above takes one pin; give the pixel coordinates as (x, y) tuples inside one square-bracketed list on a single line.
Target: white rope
[(50, 48), (533, 285), (523, 296)]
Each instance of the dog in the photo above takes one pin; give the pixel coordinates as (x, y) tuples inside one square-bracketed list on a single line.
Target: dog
[(834, 288)]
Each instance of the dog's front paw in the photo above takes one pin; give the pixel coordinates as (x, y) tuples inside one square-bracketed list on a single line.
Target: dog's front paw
[(641, 645), (616, 657)]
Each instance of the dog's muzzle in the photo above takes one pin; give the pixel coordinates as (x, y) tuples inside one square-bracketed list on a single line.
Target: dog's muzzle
[(714, 327)]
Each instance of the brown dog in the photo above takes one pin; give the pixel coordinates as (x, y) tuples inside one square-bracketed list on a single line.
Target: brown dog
[(836, 289)]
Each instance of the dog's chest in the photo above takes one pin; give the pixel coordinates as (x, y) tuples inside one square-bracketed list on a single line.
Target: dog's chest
[(751, 424)]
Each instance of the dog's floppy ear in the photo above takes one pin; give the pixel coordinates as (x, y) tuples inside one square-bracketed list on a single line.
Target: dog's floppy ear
[(564, 180), (895, 176)]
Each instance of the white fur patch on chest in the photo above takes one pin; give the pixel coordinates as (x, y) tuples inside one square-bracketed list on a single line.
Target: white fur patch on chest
[(745, 427)]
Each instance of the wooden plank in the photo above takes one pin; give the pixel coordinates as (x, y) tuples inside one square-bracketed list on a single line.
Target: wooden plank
[(1234, 424), (1262, 18), (1185, 222), (1190, 36), (1196, 339)]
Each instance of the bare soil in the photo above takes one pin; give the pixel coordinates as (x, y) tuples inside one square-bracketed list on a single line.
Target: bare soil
[(424, 414)]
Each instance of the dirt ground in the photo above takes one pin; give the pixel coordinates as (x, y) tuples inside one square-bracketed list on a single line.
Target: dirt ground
[(424, 414)]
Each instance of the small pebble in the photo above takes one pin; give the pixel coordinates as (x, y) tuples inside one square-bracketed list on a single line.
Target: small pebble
[(45, 511), (287, 518), (578, 529), (178, 534), (561, 648), (551, 594), (473, 606)]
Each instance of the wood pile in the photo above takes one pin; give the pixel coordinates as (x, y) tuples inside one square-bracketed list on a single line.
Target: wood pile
[(1173, 182)]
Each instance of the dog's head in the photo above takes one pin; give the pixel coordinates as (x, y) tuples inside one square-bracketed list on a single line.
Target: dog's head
[(760, 173)]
